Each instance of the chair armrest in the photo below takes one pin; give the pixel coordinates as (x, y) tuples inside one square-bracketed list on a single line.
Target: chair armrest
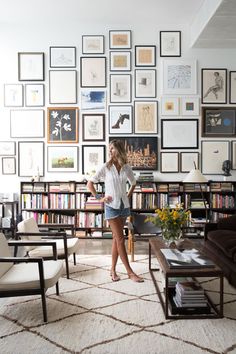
[(36, 243), (209, 227)]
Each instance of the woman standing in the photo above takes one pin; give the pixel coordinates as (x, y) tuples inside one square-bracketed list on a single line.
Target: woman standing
[(115, 174)]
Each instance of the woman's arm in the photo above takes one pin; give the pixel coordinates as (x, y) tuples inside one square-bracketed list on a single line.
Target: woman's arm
[(130, 192), (91, 188)]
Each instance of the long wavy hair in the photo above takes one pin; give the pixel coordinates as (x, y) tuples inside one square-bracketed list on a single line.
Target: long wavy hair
[(121, 154)]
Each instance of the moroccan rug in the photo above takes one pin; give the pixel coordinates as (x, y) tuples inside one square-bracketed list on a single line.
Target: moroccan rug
[(94, 315)]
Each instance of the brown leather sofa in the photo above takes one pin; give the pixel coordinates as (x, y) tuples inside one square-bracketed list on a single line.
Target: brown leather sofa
[(220, 245)]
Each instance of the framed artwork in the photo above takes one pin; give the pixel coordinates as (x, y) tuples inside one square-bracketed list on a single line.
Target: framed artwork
[(93, 127), (7, 148), (30, 66), (188, 161), (93, 156), (13, 95), (62, 57), (30, 158), (62, 158), (142, 151), (120, 88), (214, 86), (34, 95), (93, 71), (120, 120), (145, 55), (170, 44), (93, 100), (179, 133), (145, 83), (170, 106), (27, 123), (190, 106), (145, 117), (179, 76), (119, 39), (232, 87), (214, 153), (120, 61), (93, 44), (218, 121), (169, 162), (233, 154), (62, 86), (8, 165), (62, 125)]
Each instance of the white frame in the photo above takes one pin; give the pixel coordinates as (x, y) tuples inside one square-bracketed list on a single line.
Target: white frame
[(194, 108), (233, 154), (93, 44), (145, 117), (62, 86), (179, 133), (93, 126), (170, 106), (121, 38), (31, 66), (30, 158), (145, 83), (13, 95), (92, 166), (7, 148), (186, 70), (63, 57), (93, 71), (169, 162), (187, 160), (170, 43), (8, 165), (120, 61), (65, 151), (34, 95), (93, 100), (27, 123), (115, 112), (120, 88), (214, 152)]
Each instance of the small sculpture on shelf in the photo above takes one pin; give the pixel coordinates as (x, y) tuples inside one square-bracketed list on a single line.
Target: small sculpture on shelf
[(226, 167)]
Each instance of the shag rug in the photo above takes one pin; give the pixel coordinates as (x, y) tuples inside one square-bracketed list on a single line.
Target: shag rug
[(95, 315)]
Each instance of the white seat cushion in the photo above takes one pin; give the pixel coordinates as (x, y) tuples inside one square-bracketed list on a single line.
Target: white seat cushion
[(44, 251), (29, 225), (4, 252), (26, 275)]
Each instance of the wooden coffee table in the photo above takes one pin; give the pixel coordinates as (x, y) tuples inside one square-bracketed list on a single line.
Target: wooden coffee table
[(165, 299)]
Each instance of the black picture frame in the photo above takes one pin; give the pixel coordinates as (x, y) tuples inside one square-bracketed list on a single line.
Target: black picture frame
[(120, 60), (93, 127), (145, 55), (93, 71), (179, 134), (120, 39), (142, 151), (120, 88), (218, 121), (145, 83), (93, 156), (170, 43), (213, 86), (169, 162)]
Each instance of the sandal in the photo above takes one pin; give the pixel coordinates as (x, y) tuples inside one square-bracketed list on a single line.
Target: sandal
[(114, 276), (135, 278)]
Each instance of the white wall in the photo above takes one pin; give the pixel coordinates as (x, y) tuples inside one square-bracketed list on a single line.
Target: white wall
[(35, 37)]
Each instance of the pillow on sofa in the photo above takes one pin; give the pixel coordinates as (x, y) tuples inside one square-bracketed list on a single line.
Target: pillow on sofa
[(226, 241)]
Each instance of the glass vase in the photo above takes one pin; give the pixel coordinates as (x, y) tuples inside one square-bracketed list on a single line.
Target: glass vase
[(171, 236)]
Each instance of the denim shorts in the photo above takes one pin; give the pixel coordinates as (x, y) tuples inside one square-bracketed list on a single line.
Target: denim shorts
[(111, 213)]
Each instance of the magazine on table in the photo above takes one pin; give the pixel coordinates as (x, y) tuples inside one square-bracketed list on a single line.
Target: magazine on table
[(189, 258)]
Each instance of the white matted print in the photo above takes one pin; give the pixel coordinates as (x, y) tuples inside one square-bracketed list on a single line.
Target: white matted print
[(170, 106), (93, 71), (93, 44), (31, 66), (34, 95), (62, 158), (145, 83), (93, 156), (189, 161), (145, 117), (62, 86), (27, 123), (7, 148), (62, 57), (190, 106), (170, 43), (214, 153), (13, 95), (120, 120), (8, 165), (31, 158), (120, 88), (93, 127), (169, 162), (179, 133)]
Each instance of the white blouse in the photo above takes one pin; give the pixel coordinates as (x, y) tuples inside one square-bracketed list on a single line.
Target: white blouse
[(115, 183)]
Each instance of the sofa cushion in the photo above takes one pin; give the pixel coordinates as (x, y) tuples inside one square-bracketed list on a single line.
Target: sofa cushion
[(224, 240)]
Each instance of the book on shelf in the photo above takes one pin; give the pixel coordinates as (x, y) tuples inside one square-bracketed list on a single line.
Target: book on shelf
[(93, 203), (189, 287), (189, 258), (197, 203)]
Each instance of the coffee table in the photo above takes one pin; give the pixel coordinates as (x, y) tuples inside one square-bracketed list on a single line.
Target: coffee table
[(165, 299)]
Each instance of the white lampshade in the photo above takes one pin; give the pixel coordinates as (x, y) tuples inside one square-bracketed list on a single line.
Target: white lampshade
[(195, 176)]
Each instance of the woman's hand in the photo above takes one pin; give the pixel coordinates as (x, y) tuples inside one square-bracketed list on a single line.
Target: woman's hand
[(107, 199)]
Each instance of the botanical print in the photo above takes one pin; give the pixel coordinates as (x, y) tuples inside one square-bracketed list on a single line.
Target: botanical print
[(91, 100), (120, 119), (62, 125), (63, 159)]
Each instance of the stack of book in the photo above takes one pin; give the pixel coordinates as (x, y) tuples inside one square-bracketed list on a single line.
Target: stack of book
[(146, 176), (93, 203), (190, 294)]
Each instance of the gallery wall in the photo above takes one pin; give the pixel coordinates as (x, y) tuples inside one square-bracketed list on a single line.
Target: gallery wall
[(35, 38)]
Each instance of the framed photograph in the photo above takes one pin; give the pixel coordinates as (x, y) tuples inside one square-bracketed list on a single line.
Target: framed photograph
[(30, 158), (169, 162), (233, 154), (145, 83), (188, 161), (62, 57), (31, 66), (93, 156), (145, 117), (170, 106), (179, 76), (93, 71), (142, 151), (120, 120), (13, 95), (120, 61), (27, 123), (93, 127), (145, 55), (179, 133), (62, 86), (93, 100), (7, 148), (214, 86), (34, 95), (119, 39), (214, 152), (170, 44), (218, 121), (93, 44), (62, 158), (62, 125), (8, 165), (120, 88), (232, 87), (190, 106)]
